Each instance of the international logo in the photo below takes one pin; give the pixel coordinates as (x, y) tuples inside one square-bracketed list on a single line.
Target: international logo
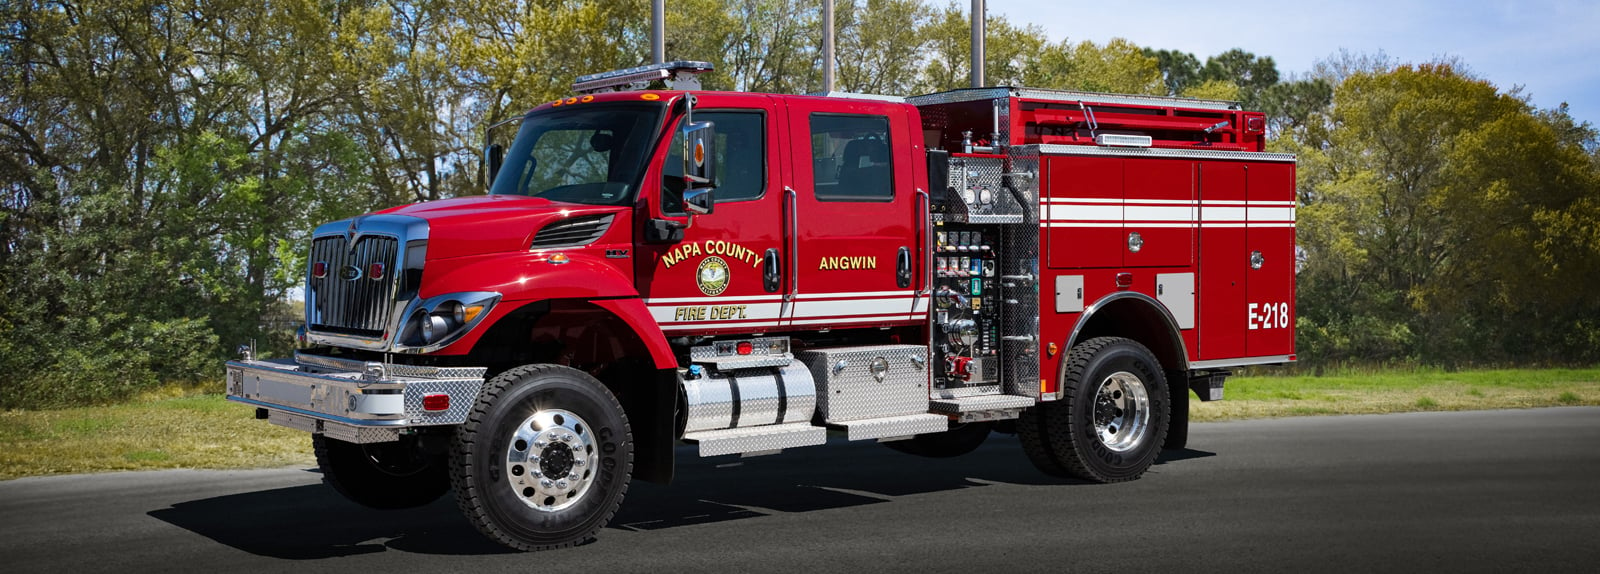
[(712, 275)]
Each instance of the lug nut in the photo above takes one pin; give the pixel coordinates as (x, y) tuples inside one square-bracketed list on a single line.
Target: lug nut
[(537, 473), (539, 444), (561, 484), (546, 483), (578, 462), (573, 476)]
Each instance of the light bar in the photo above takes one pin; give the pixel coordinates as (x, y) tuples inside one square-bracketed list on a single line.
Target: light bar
[(680, 73), (1119, 140)]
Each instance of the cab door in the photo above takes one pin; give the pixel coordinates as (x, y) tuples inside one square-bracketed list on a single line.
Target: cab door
[(727, 273), (853, 202)]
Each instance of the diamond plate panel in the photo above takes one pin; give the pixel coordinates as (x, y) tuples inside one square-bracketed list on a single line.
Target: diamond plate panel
[(359, 435), (1019, 265), (1002, 111), (981, 178), (985, 403), (848, 390), (901, 426), (463, 394), (771, 437)]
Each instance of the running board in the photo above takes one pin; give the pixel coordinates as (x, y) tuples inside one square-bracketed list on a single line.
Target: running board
[(893, 428), (983, 407), (762, 439)]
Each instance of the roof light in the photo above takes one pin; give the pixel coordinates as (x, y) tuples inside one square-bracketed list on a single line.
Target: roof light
[(680, 74), (1119, 140)]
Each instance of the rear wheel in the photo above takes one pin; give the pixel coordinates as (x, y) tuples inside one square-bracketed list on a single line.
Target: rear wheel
[(544, 459), (386, 476), (962, 438), (1111, 421)]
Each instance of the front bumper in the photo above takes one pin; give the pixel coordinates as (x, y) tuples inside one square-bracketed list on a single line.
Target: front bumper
[(355, 401)]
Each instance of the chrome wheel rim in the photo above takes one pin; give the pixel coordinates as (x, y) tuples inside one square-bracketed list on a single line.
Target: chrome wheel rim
[(551, 460), (1122, 411)]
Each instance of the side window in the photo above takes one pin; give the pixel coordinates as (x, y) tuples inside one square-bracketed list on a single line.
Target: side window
[(741, 159), (850, 157)]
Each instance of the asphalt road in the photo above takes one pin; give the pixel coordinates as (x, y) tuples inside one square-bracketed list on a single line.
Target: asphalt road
[(1476, 491)]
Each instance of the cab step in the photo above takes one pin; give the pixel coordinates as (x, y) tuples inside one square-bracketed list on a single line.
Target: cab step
[(983, 407), (762, 439), (893, 428)]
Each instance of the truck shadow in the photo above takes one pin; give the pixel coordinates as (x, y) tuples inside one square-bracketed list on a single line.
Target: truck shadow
[(313, 522)]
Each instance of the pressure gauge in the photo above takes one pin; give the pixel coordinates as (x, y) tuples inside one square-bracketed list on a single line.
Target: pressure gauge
[(969, 196), (985, 196)]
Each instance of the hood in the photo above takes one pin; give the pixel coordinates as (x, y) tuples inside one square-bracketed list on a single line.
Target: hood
[(490, 223)]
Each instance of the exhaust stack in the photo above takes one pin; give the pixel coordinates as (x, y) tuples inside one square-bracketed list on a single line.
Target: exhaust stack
[(827, 46), (978, 17), (658, 35)]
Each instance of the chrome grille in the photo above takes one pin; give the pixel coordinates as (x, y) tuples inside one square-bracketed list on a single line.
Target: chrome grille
[(359, 306), (572, 232)]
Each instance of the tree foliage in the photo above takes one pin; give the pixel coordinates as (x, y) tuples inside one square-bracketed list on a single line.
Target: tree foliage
[(162, 163)]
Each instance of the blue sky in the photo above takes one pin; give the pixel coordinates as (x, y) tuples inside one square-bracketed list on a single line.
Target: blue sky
[(1550, 47)]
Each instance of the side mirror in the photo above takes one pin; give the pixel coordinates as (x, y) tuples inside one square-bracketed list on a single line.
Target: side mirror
[(494, 156), (699, 166)]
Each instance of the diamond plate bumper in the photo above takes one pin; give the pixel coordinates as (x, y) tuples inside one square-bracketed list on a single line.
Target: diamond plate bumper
[(351, 393)]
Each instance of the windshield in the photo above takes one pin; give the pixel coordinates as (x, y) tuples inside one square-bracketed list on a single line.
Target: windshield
[(585, 154)]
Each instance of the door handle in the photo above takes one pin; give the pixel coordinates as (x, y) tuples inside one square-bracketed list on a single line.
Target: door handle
[(772, 277), (902, 274)]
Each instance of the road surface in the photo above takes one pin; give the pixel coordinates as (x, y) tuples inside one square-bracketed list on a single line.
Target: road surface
[(1470, 491)]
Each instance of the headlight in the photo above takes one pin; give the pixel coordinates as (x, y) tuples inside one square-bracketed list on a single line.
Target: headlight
[(440, 320)]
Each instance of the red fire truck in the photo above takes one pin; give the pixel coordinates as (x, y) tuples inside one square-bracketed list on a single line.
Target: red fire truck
[(747, 272)]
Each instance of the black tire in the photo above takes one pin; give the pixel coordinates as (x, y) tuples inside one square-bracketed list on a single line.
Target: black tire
[(482, 473), (962, 438), (1061, 437), (385, 476), (1178, 422)]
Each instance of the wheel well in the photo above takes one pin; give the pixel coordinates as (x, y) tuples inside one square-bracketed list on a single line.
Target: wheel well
[(1140, 320), (587, 337)]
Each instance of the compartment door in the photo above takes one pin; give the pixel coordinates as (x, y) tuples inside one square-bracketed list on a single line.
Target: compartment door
[(1270, 218), (1224, 260), (1159, 206), (1083, 211)]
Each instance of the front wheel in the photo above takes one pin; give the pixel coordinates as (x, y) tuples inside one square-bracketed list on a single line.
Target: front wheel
[(544, 459), (1112, 420)]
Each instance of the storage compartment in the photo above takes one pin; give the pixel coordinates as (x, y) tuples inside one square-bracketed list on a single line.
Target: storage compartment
[(869, 382)]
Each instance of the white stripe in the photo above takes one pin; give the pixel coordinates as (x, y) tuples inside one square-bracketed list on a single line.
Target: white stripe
[(880, 319), (1216, 225), (730, 298), (1165, 201), (855, 294), (1222, 214), (1083, 200), (1275, 203), (717, 325), (1084, 213), (667, 313), (1271, 224), (1215, 202), (1139, 213), (1271, 213), (856, 307), (1060, 224), (1188, 224)]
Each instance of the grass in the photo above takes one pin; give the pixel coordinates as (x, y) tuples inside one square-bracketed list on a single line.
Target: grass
[(187, 429), (155, 432), (1400, 391)]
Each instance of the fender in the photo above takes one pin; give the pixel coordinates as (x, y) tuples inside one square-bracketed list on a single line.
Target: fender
[(1134, 298), (537, 276)]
